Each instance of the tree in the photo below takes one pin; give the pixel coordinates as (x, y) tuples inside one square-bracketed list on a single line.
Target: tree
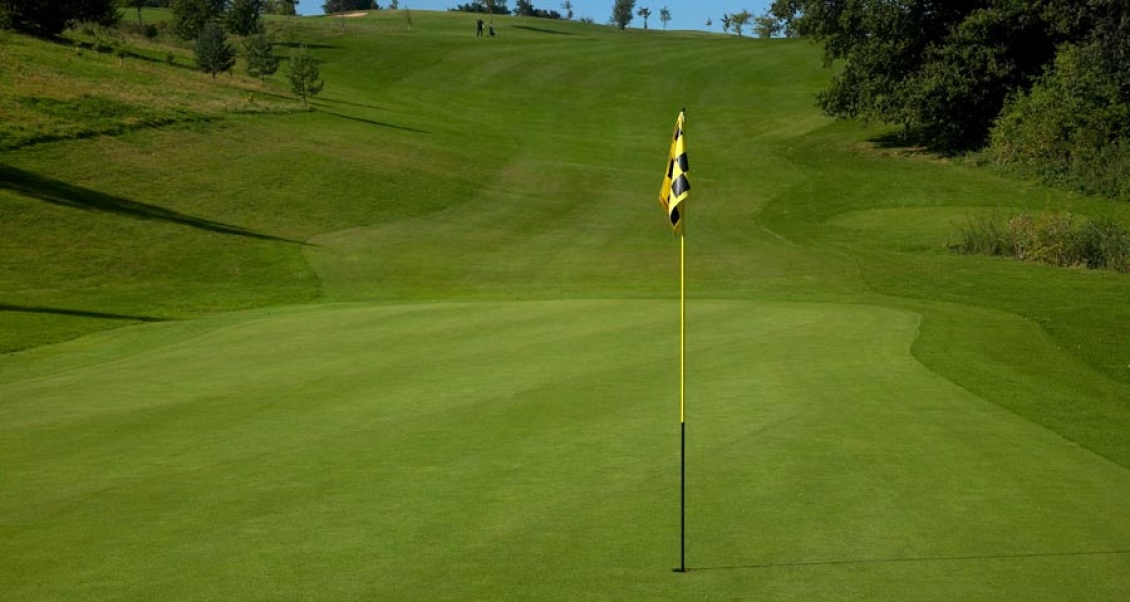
[(622, 13), (739, 20), (726, 23), (189, 16), (941, 69), (261, 59), (709, 24), (483, 6), (302, 70), (102, 12), (567, 6), (665, 16), (766, 25), (33, 17), (42, 18), (330, 7), (644, 12), (213, 53), (281, 7), (245, 17)]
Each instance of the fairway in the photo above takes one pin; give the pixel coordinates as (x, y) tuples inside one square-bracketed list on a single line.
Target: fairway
[(422, 341)]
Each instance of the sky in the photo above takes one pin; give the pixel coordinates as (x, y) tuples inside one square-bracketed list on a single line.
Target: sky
[(685, 14)]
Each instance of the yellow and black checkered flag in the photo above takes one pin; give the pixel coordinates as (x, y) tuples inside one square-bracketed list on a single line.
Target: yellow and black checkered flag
[(676, 187)]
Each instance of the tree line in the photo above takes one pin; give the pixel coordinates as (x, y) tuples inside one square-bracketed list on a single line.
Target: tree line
[(522, 8), (1040, 85)]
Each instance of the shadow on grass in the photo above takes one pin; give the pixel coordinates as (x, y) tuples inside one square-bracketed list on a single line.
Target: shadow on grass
[(352, 104), (57, 192), (914, 142), (540, 30), (778, 565), (376, 123), (308, 45), (78, 313)]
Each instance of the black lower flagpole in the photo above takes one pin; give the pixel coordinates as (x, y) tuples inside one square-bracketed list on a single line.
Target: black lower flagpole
[(682, 498)]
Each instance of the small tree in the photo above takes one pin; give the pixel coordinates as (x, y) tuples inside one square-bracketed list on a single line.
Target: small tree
[(739, 20), (213, 53), (568, 8), (709, 24), (644, 12), (261, 59), (665, 16), (302, 70), (766, 25), (622, 13), (726, 23)]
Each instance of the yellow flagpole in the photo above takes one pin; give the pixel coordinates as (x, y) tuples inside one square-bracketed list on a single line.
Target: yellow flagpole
[(683, 325)]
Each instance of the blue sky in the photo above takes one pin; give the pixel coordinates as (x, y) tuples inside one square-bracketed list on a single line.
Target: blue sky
[(685, 14)]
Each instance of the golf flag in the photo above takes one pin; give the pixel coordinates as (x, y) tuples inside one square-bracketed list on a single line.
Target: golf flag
[(676, 187)]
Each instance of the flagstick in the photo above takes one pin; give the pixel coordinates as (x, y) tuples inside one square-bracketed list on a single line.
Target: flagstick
[(682, 401)]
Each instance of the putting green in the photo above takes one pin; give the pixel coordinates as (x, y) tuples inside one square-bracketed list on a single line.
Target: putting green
[(530, 450)]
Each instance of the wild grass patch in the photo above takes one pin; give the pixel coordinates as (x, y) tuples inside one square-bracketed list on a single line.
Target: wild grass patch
[(1059, 239)]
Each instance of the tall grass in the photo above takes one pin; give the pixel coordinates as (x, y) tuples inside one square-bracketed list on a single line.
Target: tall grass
[(1058, 239)]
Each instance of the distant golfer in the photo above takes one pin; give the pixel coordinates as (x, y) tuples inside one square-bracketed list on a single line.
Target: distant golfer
[(479, 28)]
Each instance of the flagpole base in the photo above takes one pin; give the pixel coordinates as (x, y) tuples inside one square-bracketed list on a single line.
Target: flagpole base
[(682, 570)]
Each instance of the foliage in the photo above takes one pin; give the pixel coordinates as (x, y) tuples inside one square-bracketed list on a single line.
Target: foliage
[(1057, 239), (943, 69), (525, 8), (343, 6), (482, 6), (213, 53), (102, 12), (40, 18), (303, 73), (261, 59), (245, 17), (622, 13), (1072, 127), (665, 16), (567, 6), (280, 7), (189, 16), (739, 20), (766, 25)]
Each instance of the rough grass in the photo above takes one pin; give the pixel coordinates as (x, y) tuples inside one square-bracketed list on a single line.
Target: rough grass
[(78, 87), (1056, 239)]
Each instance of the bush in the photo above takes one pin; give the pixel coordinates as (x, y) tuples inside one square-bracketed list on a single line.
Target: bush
[(1070, 129)]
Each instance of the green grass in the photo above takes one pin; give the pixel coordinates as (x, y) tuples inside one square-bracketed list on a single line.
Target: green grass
[(423, 343)]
